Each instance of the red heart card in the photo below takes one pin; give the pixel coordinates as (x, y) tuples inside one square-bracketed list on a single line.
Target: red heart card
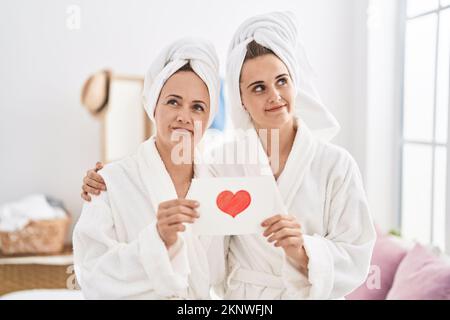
[(233, 203)]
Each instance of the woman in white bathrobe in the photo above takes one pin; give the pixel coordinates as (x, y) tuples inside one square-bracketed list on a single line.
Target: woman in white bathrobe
[(320, 248), (133, 240)]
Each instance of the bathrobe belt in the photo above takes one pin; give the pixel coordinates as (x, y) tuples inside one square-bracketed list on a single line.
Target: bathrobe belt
[(255, 277)]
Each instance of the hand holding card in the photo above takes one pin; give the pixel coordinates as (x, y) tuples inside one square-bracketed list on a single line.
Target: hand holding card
[(233, 206)]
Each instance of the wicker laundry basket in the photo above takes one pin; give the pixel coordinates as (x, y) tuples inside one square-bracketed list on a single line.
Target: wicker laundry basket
[(47, 271), (38, 237)]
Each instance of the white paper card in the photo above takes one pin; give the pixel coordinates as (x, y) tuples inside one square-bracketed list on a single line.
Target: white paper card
[(234, 206)]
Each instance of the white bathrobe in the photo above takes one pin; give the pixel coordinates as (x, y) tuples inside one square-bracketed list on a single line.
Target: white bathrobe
[(117, 249), (321, 185)]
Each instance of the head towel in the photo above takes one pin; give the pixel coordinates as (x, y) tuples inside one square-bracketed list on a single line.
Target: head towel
[(278, 31)]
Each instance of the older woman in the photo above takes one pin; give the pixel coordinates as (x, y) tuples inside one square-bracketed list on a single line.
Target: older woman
[(132, 241)]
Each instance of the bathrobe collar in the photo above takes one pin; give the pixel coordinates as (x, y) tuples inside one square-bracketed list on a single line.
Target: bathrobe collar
[(298, 163), (159, 186)]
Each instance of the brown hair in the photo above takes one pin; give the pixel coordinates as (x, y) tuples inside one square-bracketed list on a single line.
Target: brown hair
[(186, 67), (254, 50)]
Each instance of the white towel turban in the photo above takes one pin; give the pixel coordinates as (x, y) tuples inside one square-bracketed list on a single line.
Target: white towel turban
[(278, 32), (204, 61)]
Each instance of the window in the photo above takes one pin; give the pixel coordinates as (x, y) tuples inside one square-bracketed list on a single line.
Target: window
[(425, 207)]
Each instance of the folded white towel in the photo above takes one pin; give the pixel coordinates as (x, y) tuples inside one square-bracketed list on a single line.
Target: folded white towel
[(16, 215)]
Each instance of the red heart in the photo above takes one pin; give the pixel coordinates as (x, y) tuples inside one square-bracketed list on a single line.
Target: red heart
[(233, 204)]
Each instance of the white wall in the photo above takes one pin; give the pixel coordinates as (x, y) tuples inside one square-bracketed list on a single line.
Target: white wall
[(382, 136), (48, 141), (359, 90)]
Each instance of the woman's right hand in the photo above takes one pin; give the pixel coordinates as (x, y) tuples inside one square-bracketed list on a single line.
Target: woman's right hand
[(171, 217), (93, 183)]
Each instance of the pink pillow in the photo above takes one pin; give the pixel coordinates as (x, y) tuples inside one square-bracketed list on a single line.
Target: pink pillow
[(386, 257), (421, 276)]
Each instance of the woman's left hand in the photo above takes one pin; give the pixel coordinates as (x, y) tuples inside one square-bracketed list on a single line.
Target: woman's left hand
[(286, 232)]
